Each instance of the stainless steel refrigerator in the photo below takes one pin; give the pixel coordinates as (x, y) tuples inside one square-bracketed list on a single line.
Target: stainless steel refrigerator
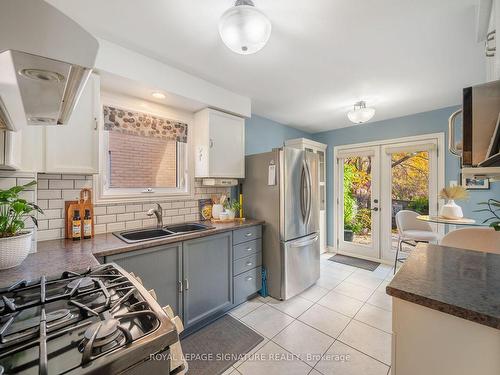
[(281, 187)]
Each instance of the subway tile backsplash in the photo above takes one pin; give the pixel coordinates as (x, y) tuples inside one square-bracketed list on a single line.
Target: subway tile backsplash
[(54, 189)]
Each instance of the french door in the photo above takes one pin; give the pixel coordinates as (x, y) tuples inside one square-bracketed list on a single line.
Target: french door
[(375, 181), (359, 211)]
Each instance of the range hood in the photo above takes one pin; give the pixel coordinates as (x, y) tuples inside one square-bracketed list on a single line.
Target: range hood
[(45, 61)]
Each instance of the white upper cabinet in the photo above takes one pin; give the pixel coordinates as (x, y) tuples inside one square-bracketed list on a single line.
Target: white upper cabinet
[(487, 24), (219, 144), (74, 148)]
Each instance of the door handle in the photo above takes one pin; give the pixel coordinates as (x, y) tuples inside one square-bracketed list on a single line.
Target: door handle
[(303, 209), (375, 209), (186, 284), (309, 192)]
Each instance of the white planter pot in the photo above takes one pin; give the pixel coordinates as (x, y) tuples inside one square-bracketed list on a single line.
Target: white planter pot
[(231, 214), (13, 250), (216, 210), (451, 210)]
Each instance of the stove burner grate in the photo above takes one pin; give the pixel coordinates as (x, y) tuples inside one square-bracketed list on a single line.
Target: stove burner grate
[(111, 331)]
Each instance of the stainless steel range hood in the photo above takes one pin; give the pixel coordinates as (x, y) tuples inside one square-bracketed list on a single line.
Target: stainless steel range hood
[(45, 61)]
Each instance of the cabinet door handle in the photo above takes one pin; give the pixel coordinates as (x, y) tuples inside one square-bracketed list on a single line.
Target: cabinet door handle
[(249, 278), (211, 143), (249, 234), (248, 249), (180, 286), (489, 51), (248, 263), (186, 284)]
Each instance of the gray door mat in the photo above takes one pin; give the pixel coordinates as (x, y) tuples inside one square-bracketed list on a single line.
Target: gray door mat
[(217, 346), (355, 262)]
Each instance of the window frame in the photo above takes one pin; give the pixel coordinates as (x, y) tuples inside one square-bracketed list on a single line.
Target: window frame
[(104, 194)]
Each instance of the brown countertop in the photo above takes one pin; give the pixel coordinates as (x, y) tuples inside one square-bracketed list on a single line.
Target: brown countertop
[(56, 256), (463, 283)]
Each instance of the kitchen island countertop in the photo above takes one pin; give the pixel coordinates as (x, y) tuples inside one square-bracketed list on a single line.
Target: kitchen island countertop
[(56, 256), (463, 283)]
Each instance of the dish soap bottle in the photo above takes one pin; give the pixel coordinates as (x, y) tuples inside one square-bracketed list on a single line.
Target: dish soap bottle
[(76, 226), (87, 225)]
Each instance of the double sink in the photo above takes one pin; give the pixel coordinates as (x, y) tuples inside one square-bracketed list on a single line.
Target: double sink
[(140, 235)]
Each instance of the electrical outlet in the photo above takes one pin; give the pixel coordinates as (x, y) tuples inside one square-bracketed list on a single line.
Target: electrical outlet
[(453, 183)]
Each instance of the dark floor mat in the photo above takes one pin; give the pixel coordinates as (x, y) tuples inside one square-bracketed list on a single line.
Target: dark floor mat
[(214, 348), (355, 262)]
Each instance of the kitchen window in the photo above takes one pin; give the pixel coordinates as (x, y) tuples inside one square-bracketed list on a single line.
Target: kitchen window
[(144, 155)]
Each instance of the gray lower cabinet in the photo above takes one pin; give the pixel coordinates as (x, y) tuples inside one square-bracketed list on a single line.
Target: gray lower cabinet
[(202, 277), (159, 268), (207, 277), (247, 270)]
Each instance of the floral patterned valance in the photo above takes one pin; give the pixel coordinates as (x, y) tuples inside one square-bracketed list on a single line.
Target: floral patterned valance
[(143, 124)]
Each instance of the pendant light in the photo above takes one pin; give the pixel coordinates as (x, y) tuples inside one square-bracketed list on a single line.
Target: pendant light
[(361, 113), (244, 29)]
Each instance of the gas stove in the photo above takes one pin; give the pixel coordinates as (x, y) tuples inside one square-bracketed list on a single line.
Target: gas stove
[(101, 321)]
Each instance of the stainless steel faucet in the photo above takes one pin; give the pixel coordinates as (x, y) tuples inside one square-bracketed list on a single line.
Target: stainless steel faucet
[(158, 212)]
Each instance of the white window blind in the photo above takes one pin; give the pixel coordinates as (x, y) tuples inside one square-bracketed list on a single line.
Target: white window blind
[(410, 148)]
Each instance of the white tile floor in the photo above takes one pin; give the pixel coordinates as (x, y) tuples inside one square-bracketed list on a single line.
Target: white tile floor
[(342, 325)]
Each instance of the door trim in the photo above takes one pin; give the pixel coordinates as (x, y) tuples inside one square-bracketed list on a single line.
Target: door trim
[(441, 160)]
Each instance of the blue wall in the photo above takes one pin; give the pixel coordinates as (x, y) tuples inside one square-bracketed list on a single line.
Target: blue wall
[(420, 123), (262, 135)]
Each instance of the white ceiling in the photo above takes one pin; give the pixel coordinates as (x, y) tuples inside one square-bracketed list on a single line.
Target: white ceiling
[(401, 56)]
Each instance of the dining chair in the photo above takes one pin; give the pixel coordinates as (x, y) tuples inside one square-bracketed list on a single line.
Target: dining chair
[(479, 239), (412, 231)]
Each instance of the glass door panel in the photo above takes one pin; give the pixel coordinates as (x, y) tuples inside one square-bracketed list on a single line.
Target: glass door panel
[(321, 157), (409, 186), (359, 231)]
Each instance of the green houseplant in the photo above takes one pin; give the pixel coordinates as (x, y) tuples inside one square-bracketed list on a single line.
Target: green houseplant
[(15, 241), (494, 210), (232, 209)]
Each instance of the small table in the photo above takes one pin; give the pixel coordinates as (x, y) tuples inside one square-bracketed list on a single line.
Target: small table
[(442, 220)]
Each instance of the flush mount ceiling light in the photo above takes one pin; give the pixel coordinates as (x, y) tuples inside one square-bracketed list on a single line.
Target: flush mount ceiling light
[(158, 95), (244, 29), (361, 113)]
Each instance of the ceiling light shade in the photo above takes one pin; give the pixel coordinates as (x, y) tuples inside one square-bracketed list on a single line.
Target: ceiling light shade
[(361, 113), (158, 95), (244, 29)]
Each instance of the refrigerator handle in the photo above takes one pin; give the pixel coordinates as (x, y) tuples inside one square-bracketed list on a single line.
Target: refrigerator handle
[(309, 192), (305, 243), (303, 207)]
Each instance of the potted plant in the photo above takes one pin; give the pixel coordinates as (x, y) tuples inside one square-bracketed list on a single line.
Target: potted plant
[(15, 242), (451, 210), (348, 232), (232, 209), (493, 209)]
